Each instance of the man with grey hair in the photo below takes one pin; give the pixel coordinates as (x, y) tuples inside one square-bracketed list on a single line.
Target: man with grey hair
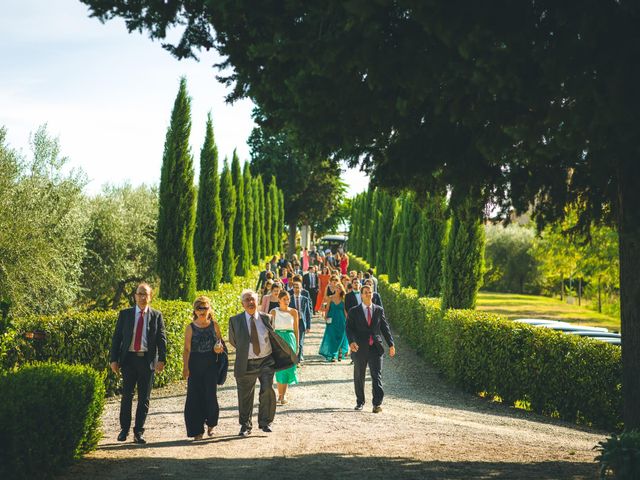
[(260, 352)]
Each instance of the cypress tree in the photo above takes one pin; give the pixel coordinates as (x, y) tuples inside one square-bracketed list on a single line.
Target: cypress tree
[(281, 218), (228, 203), (464, 255), (373, 224), (250, 211), (409, 249), (176, 217), (268, 220), (240, 244), (433, 231), (383, 234), (209, 236), (392, 259), (274, 203), (258, 231)]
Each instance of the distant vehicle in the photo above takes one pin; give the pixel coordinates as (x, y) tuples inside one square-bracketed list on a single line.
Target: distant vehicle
[(537, 322), (575, 328), (334, 243), (597, 333)]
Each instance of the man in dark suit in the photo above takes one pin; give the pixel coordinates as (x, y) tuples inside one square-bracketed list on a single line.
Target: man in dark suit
[(303, 306), (260, 352), (138, 348), (353, 298), (310, 283), (366, 325), (376, 298), (262, 278)]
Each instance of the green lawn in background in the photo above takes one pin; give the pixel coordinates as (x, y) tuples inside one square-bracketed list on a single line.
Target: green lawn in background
[(514, 306)]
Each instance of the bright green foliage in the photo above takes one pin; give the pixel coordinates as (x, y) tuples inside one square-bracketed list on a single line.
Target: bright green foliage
[(372, 224), (50, 415), (409, 250), (433, 229), (177, 216), (383, 220), (280, 231), (394, 241), (249, 206), (116, 260), (274, 204), (463, 257), (485, 353), (270, 248), (209, 235), (228, 206), (619, 456), (240, 241), (510, 262), (43, 224), (259, 221)]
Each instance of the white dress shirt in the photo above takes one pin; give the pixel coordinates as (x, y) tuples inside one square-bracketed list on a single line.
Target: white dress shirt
[(145, 319), (263, 337)]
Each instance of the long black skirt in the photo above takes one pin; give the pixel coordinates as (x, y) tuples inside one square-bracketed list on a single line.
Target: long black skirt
[(202, 406)]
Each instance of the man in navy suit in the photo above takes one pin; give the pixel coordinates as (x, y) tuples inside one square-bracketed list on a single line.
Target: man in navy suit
[(310, 283), (303, 305), (138, 348), (353, 298), (366, 325)]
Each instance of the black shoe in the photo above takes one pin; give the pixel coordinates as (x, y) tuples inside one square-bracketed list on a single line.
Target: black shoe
[(377, 409), (138, 438), (245, 432), (122, 436), (266, 429), (359, 406)]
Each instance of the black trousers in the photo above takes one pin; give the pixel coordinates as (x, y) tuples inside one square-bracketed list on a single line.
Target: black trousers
[(262, 369), (201, 405), (362, 358), (135, 372)]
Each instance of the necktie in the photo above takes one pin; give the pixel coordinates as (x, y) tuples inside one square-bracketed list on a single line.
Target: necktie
[(298, 303), (313, 280), (255, 343), (137, 342), (369, 323)]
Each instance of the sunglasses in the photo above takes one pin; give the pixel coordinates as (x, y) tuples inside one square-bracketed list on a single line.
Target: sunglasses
[(201, 308)]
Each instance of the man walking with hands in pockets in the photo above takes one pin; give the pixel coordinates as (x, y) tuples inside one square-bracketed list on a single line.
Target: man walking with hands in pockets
[(366, 325)]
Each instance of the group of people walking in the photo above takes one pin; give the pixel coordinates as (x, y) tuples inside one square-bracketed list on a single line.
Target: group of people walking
[(268, 337)]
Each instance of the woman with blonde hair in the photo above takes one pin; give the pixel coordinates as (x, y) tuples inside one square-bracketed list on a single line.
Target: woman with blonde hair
[(202, 362)]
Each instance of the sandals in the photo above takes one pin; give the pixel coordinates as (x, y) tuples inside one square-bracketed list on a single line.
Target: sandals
[(210, 431)]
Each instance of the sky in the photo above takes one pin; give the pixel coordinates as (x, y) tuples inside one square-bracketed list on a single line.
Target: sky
[(107, 94)]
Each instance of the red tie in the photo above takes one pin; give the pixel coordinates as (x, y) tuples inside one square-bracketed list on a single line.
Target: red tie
[(137, 343), (369, 323)]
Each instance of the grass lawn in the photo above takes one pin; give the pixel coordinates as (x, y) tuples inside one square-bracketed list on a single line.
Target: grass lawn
[(514, 306)]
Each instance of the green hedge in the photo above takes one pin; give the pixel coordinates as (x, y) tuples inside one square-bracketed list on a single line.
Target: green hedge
[(79, 337), (50, 414), (566, 376)]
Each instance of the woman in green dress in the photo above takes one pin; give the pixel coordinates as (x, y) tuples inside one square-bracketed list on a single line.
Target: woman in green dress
[(285, 323)]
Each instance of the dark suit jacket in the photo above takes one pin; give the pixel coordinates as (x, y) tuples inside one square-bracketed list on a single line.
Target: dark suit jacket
[(156, 337), (262, 279), (350, 301), (282, 354), (304, 314), (358, 331), (303, 292), (375, 298), (306, 281)]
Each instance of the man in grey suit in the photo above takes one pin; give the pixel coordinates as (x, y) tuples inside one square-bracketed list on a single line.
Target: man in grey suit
[(260, 352)]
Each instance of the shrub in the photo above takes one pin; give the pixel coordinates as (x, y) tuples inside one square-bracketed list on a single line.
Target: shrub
[(571, 377), (50, 414), (79, 337), (620, 456)]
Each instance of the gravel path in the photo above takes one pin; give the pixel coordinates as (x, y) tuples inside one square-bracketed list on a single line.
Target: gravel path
[(427, 430)]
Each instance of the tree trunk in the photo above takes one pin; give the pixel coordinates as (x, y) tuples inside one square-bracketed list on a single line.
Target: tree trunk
[(580, 291), (629, 249), (562, 288), (599, 295), (291, 249)]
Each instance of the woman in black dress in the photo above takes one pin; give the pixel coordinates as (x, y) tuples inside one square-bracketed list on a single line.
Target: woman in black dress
[(202, 357)]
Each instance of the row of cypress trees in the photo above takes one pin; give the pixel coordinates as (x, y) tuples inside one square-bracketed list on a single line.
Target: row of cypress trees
[(423, 242), (236, 221)]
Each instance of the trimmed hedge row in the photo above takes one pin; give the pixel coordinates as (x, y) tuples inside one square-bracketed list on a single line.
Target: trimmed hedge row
[(79, 337), (566, 376), (50, 415)]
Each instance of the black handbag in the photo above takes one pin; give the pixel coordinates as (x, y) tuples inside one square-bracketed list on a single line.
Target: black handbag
[(223, 364)]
